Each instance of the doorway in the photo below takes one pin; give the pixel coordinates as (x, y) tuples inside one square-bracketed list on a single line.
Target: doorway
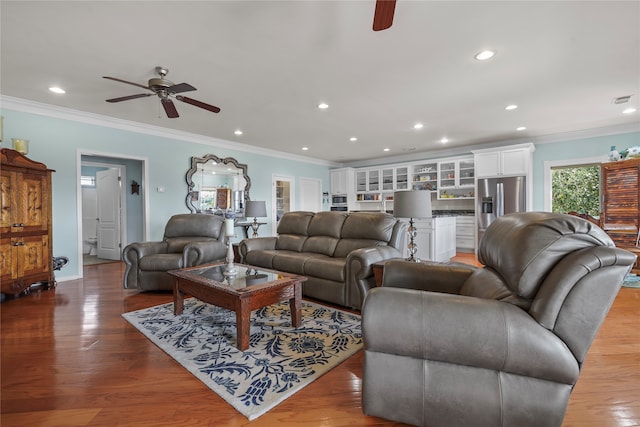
[(110, 216), (282, 199)]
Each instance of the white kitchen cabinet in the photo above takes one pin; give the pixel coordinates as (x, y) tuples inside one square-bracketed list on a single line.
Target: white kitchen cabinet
[(456, 179), (342, 181), (435, 238), (465, 233), (368, 181), (513, 160), (425, 176)]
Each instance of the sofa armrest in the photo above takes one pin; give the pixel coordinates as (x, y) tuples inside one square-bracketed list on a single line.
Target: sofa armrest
[(198, 253), (426, 276), (256, 244), (463, 330), (131, 256), (360, 273)]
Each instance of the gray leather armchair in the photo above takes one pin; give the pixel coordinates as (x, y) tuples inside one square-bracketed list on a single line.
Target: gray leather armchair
[(189, 240), (502, 345)]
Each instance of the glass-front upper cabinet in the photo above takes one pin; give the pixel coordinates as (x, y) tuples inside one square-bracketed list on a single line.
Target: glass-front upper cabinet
[(402, 178), (456, 179), (368, 181), (425, 176), (395, 178)]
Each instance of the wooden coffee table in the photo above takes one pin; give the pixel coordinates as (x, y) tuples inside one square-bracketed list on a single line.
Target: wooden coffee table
[(251, 288)]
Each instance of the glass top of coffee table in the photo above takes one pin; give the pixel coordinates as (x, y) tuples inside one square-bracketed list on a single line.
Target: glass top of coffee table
[(245, 275)]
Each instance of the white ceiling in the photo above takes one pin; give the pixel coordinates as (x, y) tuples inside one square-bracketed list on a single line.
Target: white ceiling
[(267, 64)]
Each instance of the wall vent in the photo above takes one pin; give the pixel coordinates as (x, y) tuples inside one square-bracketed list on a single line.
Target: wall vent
[(622, 99)]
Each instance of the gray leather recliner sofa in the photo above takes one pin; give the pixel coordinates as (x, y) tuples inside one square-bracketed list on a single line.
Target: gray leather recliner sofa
[(189, 240), (501, 345), (335, 250)]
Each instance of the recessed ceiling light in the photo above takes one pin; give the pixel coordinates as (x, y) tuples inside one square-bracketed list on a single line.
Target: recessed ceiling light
[(511, 107), (418, 126), (305, 148), (444, 140), (484, 55), (387, 149), (323, 106), (521, 128), (629, 110), (56, 89), (353, 139), (238, 132)]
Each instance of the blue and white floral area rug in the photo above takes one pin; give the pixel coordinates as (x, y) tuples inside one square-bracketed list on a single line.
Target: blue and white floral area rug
[(280, 360)]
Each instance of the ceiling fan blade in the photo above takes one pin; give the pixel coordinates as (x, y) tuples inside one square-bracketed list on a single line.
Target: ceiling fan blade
[(383, 16), (181, 87), (169, 108), (124, 81), (126, 98), (197, 103)]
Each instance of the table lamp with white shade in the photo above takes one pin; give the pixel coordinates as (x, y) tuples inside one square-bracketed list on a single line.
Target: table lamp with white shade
[(412, 204), (255, 209)]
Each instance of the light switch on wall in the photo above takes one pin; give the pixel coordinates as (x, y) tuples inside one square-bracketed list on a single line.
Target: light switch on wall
[(160, 189)]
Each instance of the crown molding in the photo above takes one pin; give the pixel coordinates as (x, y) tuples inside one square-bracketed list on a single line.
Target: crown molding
[(467, 150), (33, 107)]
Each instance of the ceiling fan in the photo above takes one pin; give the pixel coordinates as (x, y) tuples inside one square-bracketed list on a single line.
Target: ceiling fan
[(383, 16), (165, 90)]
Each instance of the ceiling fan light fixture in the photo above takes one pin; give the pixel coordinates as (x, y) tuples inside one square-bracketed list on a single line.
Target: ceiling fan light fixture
[(484, 55)]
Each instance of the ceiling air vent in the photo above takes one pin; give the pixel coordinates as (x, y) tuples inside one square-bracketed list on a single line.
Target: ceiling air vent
[(622, 99)]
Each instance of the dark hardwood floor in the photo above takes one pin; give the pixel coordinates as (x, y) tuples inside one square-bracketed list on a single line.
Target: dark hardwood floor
[(68, 358)]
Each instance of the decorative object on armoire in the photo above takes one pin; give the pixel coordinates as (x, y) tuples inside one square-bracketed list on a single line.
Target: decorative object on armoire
[(412, 204), (25, 223), (614, 156), (620, 216), (255, 209), (135, 187), (20, 145)]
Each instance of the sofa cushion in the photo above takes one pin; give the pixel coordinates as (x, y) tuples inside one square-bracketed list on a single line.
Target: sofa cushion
[(368, 225), (295, 223), (194, 225), (326, 268), (260, 258), (290, 242), (321, 245), (161, 262), (327, 224), (291, 262)]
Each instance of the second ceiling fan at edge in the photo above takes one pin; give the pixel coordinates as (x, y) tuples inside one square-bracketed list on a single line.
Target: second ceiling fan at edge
[(383, 16)]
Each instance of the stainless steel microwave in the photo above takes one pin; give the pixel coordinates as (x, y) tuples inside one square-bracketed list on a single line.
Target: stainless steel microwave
[(338, 200)]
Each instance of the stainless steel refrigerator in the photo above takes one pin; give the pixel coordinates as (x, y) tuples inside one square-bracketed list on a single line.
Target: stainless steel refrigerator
[(497, 197)]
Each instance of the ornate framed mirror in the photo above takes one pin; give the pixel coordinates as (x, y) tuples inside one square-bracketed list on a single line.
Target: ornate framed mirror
[(215, 185)]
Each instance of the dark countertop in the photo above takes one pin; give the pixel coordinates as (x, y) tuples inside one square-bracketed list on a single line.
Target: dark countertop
[(437, 213)]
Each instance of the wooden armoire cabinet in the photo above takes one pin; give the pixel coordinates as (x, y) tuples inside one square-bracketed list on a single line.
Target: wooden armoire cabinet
[(26, 255), (620, 216)]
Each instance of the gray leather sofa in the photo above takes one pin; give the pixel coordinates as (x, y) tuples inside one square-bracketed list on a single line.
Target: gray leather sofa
[(189, 240), (335, 250), (501, 345)]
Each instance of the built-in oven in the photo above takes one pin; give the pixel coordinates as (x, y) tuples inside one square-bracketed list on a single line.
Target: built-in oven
[(338, 199), (339, 208)]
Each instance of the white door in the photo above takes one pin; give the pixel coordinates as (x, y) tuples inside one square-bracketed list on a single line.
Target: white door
[(282, 199), (108, 189), (310, 194)]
